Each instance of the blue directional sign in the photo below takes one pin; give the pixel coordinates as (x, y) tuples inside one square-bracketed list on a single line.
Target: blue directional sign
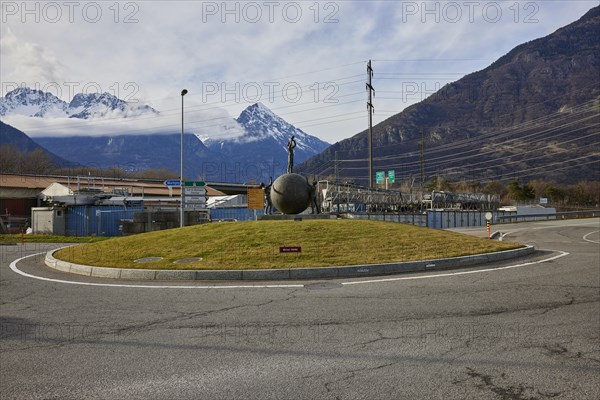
[(173, 182)]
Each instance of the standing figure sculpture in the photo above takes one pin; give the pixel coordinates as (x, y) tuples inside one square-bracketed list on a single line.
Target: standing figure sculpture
[(268, 203), (291, 145), (312, 194)]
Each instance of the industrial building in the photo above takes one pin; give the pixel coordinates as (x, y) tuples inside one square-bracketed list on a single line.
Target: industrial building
[(82, 206)]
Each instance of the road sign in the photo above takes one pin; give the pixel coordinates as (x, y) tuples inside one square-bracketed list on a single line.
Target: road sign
[(172, 182), (194, 206), (194, 183), (380, 177), (194, 195), (256, 198), (194, 191), (543, 200), (290, 249), (488, 223), (391, 176), (195, 199)]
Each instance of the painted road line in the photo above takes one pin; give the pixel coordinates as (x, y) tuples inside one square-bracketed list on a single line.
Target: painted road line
[(585, 237), (13, 266), (407, 278)]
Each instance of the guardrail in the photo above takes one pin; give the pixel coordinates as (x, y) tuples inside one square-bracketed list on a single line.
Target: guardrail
[(547, 217)]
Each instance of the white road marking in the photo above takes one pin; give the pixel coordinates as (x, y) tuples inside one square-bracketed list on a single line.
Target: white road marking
[(407, 278), (590, 240), (13, 266), (502, 235)]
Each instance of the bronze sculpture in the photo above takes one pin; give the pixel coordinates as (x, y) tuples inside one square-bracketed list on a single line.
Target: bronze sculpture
[(290, 146)]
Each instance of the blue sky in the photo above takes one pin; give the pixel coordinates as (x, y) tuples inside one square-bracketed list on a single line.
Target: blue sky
[(306, 60)]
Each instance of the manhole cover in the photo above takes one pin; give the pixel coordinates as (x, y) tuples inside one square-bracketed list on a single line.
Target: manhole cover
[(323, 286), (148, 259), (188, 260)]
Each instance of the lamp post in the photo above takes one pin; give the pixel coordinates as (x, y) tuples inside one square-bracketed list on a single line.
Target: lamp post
[(183, 93)]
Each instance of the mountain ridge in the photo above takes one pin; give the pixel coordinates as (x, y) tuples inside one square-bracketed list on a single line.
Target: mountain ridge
[(20, 142), (257, 155), (251, 147), (529, 86), (38, 104)]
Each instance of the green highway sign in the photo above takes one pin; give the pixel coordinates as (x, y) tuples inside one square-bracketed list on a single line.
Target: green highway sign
[(391, 176), (194, 183), (380, 177)]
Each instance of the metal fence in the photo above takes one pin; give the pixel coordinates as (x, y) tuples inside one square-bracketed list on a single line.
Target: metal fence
[(238, 214), (96, 220), (108, 220), (448, 219), (545, 217), (439, 219), (408, 218)]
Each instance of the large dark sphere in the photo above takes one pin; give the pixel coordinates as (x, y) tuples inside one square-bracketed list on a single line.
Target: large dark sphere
[(290, 194)]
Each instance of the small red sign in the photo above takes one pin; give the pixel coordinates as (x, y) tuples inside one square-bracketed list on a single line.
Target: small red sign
[(290, 249)]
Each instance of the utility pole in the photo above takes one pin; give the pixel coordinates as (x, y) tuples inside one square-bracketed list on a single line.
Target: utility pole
[(181, 212), (370, 109), (422, 160), (335, 165)]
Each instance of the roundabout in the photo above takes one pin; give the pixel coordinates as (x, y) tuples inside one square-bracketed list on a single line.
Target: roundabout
[(529, 250), (285, 274), (526, 327), (288, 249)]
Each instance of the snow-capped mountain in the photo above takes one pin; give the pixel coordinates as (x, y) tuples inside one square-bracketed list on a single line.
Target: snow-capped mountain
[(251, 147), (257, 151), (89, 105), (32, 103), (36, 103), (264, 141), (261, 123)]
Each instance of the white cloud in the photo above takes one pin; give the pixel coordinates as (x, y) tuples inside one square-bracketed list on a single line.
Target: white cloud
[(40, 127), (27, 61), (149, 51)]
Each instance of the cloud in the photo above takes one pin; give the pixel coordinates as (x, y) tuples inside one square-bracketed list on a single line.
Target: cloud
[(27, 61), (54, 127), (149, 51), (214, 123)]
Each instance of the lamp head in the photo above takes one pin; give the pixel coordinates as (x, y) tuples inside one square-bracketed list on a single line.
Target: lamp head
[(184, 92)]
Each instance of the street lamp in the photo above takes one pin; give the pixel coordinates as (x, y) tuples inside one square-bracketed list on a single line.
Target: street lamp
[(183, 93)]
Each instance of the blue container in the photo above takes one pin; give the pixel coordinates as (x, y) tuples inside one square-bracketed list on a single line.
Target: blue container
[(97, 220)]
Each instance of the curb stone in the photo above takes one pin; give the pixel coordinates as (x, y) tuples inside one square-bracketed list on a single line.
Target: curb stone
[(285, 274)]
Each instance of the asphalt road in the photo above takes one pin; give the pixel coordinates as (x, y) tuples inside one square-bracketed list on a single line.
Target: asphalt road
[(524, 330)]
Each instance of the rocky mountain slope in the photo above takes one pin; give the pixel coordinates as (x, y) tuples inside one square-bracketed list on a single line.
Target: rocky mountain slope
[(12, 139), (534, 113)]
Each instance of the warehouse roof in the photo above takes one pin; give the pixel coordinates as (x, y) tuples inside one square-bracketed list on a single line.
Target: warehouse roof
[(19, 186)]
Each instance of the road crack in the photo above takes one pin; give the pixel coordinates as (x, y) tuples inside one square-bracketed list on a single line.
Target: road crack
[(487, 382)]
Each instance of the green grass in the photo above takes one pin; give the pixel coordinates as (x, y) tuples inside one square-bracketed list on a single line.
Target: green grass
[(249, 245), (18, 238)]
